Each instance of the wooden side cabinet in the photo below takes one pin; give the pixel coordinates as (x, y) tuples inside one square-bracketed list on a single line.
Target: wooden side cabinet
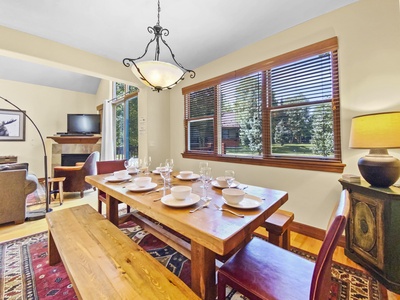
[(373, 231)]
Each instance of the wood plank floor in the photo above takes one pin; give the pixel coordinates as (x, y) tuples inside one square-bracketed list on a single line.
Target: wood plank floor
[(9, 232)]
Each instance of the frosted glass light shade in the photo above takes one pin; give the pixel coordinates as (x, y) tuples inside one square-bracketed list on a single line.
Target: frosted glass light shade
[(380, 130), (158, 74)]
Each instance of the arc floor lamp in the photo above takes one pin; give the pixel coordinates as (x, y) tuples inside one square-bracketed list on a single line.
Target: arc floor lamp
[(38, 214)]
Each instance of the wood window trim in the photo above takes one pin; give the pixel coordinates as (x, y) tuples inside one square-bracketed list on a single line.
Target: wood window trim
[(326, 45), (279, 162), (301, 163)]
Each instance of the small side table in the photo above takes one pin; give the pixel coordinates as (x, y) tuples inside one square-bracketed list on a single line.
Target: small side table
[(60, 190)]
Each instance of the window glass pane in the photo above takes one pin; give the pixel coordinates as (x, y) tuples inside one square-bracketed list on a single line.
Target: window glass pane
[(303, 131), (119, 89), (132, 141), (306, 80), (201, 103), (201, 135), (241, 123), (119, 130)]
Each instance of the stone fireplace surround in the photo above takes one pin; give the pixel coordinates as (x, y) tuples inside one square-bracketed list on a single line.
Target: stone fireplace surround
[(56, 146)]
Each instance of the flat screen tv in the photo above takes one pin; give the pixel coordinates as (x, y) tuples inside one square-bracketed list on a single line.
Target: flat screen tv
[(83, 123)]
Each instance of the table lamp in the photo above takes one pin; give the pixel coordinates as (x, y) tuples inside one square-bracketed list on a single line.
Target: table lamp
[(377, 132)]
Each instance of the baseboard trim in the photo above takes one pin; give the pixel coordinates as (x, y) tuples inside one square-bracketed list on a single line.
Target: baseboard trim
[(313, 232)]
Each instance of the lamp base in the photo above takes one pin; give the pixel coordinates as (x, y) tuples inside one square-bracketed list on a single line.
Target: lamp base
[(379, 168), (35, 214)]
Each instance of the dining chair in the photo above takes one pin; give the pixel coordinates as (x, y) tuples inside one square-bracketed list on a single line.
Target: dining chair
[(75, 175), (105, 167), (261, 270)]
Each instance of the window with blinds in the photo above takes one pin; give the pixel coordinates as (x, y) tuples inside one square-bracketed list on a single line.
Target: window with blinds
[(281, 112)]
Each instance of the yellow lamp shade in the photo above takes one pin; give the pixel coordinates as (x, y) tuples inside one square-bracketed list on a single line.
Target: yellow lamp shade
[(160, 75), (381, 130)]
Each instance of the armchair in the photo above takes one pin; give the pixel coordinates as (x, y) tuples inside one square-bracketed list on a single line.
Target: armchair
[(75, 175), (15, 185)]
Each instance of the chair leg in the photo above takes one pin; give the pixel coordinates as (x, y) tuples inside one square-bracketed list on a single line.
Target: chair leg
[(128, 209), (81, 193), (221, 287), (286, 239), (99, 206)]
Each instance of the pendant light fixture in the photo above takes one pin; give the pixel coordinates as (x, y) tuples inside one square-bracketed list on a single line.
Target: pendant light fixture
[(157, 74)]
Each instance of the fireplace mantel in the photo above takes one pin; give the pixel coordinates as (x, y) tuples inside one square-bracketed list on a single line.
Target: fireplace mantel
[(75, 139)]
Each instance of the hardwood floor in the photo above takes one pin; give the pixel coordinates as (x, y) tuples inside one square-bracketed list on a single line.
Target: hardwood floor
[(9, 232)]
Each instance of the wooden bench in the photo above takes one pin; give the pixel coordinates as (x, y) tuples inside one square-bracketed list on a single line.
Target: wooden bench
[(104, 263), (277, 226)]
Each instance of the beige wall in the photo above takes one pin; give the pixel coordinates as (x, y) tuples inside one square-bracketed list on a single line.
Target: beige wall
[(369, 66), (48, 108)]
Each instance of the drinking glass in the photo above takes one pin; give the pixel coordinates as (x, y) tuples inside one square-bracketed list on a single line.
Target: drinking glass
[(128, 163), (202, 164), (164, 172), (206, 178), (146, 165), (170, 163), (136, 164), (229, 177)]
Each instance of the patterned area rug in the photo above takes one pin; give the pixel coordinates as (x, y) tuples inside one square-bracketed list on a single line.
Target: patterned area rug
[(36, 197), (25, 273)]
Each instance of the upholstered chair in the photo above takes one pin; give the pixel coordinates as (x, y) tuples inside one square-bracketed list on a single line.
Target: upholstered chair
[(75, 175), (261, 270), (15, 185), (105, 167)]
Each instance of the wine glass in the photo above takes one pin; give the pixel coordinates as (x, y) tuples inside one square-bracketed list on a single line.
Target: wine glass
[(206, 178), (229, 177), (202, 165), (146, 165), (128, 163), (135, 164), (164, 172), (169, 162)]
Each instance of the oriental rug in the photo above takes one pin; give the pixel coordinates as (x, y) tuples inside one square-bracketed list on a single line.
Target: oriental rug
[(37, 197), (25, 273)]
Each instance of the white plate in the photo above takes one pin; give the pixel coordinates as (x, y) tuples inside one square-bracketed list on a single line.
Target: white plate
[(192, 177), (248, 202), (217, 185), (134, 188), (169, 200), (116, 179)]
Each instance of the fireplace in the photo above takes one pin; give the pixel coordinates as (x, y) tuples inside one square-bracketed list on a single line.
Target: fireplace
[(71, 159)]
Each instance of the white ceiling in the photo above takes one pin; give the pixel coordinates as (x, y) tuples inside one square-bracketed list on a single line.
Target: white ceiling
[(200, 30)]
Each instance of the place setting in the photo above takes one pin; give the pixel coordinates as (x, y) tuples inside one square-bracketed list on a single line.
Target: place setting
[(187, 175), (118, 176), (234, 196), (141, 184), (181, 196)]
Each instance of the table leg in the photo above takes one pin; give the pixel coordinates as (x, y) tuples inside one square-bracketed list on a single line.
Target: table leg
[(54, 255), (61, 191), (112, 209), (203, 271)]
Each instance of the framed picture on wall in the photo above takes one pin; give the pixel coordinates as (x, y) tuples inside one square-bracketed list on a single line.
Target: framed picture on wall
[(12, 125)]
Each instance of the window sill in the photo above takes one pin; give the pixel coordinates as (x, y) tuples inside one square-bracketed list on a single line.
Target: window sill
[(279, 162)]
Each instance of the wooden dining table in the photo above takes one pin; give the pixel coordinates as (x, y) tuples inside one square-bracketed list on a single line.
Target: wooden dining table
[(211, 233)]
